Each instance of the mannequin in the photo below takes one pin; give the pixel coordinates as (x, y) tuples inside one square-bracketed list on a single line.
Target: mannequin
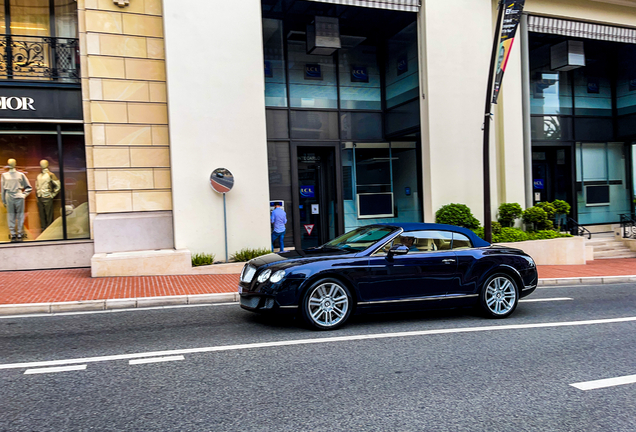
[(14, 188), (47, 186)]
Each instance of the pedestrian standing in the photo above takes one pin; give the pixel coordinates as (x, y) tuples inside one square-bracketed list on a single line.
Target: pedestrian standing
[(279, 219)]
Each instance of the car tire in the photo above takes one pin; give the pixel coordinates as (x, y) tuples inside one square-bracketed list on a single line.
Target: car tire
[(499, 296), (326, 305)]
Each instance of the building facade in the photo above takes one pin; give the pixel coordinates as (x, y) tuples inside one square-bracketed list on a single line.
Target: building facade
[(116, 112)]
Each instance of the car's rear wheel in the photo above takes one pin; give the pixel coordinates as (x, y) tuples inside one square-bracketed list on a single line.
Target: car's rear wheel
[(499, 296), (326, 305)]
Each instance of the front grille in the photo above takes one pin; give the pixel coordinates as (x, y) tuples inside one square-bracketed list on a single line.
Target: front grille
[(248, 273), (250, 302)]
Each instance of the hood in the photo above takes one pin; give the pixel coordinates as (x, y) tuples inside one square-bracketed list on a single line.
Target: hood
[(298, 256)]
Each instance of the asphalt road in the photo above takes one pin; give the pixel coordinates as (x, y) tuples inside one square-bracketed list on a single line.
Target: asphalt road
[(452, 371)]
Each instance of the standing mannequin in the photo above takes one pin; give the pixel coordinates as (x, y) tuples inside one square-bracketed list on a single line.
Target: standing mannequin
[(47, 186), (14, 188)]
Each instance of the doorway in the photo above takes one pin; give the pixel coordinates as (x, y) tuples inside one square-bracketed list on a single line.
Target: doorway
[(552, 174), (317, 194)]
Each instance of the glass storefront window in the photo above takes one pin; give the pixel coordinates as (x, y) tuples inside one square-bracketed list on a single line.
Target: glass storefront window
[(376, 175), (43, 198), (30, 17), (401, 69), (279, 165), (360, 78), (551, 92), (601, 186), (360, 126), (275, 79), (314, 125), (592, 92), (312, 78), (551, 128)]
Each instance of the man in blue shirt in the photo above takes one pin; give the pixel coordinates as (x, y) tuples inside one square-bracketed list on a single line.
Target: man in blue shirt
[(279, 219)]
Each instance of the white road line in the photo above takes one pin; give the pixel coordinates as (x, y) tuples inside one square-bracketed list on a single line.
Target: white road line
[(318, 340), (54, 369), (141, 309), (546, 299), (156, 360), (602, 383)]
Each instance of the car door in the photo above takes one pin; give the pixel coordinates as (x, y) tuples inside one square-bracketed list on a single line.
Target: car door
[(467, 273), (428, 270)]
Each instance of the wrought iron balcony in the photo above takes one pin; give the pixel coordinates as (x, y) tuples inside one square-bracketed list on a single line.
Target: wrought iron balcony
[(28, 58)]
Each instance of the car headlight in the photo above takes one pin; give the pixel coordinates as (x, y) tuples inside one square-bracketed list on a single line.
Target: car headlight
[(278, 276), (264, 276)]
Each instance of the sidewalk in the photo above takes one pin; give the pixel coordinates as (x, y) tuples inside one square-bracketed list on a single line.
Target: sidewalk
[(74, 289)]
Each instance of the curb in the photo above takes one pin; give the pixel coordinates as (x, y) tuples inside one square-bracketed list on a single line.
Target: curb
[(145, 302), (113, 304), (594, 280)]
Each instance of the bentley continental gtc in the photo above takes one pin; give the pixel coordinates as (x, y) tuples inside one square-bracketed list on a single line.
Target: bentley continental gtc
[(389, 267)]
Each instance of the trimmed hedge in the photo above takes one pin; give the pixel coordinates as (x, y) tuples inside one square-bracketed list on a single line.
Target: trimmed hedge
[(456, 214)]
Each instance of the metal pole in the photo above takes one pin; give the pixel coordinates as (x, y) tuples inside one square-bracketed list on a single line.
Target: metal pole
[(487, 120), (227, 258)]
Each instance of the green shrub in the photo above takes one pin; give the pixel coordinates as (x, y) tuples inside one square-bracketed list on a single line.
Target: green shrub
[(508, 212), (456, 214), (495, 227), (508, 235), (248, 254), (201, 259), (546, 234), (561, 207), (537, 218), (548, 208)]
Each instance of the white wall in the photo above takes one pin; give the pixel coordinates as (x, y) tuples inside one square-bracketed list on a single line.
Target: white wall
[(455, 42), (214, 53)]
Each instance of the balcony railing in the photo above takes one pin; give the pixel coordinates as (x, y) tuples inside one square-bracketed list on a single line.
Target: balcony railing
[(37, 58)]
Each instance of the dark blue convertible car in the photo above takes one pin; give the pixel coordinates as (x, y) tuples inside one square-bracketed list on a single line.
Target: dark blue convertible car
[(389, 267)]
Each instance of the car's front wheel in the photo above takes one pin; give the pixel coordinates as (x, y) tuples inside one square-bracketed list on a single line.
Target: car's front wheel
[(499, 296), (326, 305)]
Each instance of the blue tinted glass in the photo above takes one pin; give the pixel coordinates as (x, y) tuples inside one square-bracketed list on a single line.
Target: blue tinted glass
[(275, 80), (359, 78), (402, 82), (312, 78)]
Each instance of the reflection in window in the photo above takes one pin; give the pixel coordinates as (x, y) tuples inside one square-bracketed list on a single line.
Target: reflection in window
[(551, 128), (551, 92), (401, 67), (359, 78), (312, 79), (275, 80)]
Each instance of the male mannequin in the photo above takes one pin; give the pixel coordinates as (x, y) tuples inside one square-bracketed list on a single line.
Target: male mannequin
[(47, 186), (14, 188)]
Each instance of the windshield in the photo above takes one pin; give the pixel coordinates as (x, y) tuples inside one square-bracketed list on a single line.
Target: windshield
[(359, 239)]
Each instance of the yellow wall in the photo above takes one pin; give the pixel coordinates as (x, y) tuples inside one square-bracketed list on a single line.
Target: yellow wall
[(125, 106)]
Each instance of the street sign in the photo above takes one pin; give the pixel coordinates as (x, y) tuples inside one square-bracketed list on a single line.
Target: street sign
[(309, 228)]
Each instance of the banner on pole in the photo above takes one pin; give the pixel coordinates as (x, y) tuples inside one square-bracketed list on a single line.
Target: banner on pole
[(512, 16)]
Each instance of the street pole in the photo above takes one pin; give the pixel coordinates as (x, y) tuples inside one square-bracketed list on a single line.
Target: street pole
[(227, 258), (486, 128)]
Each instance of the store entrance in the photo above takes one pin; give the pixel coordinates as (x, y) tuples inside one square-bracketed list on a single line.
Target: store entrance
[(552, 174), (316, 195)]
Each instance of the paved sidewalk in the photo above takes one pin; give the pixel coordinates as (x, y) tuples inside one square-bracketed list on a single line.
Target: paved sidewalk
[(74, 289)]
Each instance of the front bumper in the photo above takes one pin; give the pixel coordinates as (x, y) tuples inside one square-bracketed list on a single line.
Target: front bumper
[(263, 303)]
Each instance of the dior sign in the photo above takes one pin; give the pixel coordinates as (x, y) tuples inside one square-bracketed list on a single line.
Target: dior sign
[(17, 103)]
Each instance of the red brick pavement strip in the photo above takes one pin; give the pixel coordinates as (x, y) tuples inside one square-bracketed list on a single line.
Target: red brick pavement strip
[(604, 267), (52, 286)]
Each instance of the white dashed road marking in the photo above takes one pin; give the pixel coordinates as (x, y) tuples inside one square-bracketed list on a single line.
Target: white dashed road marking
[(55, 369), (545, 299), (156, 360), (602, 383)]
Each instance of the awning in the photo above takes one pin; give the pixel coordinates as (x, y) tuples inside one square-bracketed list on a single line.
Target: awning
[(581, 29), (399, 5)]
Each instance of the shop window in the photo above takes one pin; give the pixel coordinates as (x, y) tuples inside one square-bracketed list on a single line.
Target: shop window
[(360, 79), (312, 79), (551, 91), (277, 124), (314, 125), (279, 166), (360, 126), (551, 128), (376, 177), (401, 68), (602, 190), (44, 196), (275, 79)]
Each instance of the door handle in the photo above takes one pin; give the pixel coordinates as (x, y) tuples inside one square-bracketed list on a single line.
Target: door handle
[(448, 260)]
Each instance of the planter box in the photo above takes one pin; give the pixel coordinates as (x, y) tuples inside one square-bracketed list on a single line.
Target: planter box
[(559, 251)]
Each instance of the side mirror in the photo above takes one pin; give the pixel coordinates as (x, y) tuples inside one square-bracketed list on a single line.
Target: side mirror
[(397, 250)]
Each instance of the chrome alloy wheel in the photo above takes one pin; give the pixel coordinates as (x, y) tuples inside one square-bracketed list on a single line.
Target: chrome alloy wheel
[(501, 295), (328, 304)]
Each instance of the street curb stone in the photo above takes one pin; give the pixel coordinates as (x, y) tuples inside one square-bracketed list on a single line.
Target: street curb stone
[(194, 299), (112, 304)]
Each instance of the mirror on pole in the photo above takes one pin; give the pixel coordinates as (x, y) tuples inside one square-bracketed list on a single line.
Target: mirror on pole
[(221, 180)]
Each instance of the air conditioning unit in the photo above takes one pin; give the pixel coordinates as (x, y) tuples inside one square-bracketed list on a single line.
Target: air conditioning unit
[(567, 55), (323, 36)]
